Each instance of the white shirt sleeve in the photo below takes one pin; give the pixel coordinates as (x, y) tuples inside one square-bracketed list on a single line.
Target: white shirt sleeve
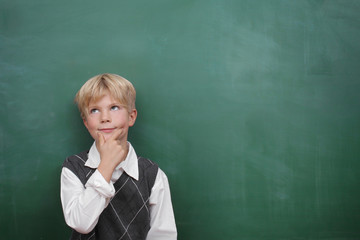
[(162, 223), (83, 206)]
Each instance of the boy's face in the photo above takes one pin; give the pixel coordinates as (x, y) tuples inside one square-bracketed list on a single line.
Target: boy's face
[(107, 115)]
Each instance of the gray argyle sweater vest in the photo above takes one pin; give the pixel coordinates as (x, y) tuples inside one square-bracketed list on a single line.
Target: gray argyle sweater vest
[(127, 216)]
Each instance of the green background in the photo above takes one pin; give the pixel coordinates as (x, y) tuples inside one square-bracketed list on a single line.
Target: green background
[(251, 108)]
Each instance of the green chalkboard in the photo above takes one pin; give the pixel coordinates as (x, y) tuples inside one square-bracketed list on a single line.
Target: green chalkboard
[(251, 107)]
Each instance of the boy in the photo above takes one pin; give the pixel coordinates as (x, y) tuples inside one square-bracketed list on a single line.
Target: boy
[(108, 192)]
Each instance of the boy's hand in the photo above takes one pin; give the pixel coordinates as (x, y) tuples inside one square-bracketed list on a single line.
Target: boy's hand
[(112, 153)]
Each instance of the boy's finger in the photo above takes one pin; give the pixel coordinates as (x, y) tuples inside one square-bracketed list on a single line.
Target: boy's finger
[(100, 138)]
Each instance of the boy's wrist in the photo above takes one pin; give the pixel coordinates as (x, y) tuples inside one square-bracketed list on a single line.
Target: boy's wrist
[(106, 170)]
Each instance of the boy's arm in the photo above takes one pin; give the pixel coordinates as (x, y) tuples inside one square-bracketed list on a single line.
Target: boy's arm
[(83, 206), (162, 223)]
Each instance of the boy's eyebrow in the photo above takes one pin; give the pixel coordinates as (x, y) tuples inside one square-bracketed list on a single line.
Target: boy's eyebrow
[(111, 104), (92, 105)]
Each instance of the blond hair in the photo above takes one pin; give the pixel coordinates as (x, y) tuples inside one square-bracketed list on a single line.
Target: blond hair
[(96, 87)]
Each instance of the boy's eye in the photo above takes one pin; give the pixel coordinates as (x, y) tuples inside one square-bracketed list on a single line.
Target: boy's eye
[(114, 108), (94, 110)]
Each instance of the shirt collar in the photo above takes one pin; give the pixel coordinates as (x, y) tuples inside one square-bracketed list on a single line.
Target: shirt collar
[(129, 165)]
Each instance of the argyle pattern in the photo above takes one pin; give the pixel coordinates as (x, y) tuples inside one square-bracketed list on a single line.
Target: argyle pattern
[(127, 217)]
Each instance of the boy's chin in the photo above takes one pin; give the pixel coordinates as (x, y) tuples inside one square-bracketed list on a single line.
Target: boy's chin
[(107, 137)]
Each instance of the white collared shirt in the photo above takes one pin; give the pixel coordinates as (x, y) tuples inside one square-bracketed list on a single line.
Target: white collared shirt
[(83, 206)]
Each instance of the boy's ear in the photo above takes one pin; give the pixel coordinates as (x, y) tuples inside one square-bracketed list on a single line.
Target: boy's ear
[(85, 123), (132, 117)]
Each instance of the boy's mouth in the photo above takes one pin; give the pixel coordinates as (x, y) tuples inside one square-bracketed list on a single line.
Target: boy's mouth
[(106, 130)]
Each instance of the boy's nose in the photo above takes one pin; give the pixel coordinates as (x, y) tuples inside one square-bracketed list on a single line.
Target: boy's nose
[(105, 117)]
